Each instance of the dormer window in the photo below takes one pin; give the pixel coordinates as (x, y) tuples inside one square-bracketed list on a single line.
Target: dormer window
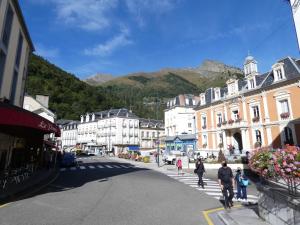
[(217, 94), (186, 101), (202, 99), (278, 72), (251, 83)]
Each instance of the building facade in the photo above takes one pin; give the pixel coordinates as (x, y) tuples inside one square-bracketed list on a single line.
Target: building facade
[(15, 46), (151, 133), (259, 110), (87, 129), (69, 133), (180, 115)]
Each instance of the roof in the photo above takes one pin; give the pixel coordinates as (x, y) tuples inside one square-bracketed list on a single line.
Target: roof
[(292, 71), (151, 123), (183, 137), (22, 21), (63, 122)]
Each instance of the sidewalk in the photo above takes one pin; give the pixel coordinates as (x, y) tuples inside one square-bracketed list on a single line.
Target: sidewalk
[(34, 183)]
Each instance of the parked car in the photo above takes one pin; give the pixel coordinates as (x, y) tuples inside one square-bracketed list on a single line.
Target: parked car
[(68, 159)]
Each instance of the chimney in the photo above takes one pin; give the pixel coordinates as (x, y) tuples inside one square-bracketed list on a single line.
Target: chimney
[(43, 99)]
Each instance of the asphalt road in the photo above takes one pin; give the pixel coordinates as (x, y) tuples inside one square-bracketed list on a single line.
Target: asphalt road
[(107, 192)]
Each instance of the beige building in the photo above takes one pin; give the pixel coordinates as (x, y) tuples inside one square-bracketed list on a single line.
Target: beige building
[(259, 110), (151, 133), (15, 46)]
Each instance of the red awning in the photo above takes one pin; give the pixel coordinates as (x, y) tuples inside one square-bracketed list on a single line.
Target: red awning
[(15, 116)]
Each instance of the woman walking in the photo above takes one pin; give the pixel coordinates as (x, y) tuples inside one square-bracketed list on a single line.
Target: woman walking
[(179, 166), (200, 170)]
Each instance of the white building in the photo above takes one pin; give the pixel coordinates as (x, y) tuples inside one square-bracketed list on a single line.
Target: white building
[(39, 105), (69, 134), (296, 14), (118, 129), (180, 115), (87, 129), (149, 131)]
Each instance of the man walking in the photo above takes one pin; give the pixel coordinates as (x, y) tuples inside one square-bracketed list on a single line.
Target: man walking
[(200, 170), (226, 181)]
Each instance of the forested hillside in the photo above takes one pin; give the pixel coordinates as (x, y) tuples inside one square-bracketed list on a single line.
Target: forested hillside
[(144, 93)]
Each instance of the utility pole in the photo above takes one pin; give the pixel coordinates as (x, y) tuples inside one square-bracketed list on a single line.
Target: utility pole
[(157, 132)]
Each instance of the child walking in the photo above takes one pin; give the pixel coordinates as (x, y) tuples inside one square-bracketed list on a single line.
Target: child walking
[(244, 182)]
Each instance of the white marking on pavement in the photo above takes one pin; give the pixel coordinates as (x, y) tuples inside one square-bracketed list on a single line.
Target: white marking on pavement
[(99, 166), (126, 167), (63, 169), (108, 166), (116, 166), (73, 168), (91, 167), (82, 167)]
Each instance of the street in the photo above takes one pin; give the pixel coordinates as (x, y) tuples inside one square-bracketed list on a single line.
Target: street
[(105, 191)]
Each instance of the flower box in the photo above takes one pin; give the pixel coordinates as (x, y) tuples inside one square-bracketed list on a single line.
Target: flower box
[(255, 119), (285, 115)]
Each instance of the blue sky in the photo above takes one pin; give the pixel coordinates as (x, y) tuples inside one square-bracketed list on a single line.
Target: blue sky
[(118, 37)]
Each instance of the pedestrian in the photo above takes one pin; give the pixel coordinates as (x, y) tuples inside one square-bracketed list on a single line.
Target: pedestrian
[(179, 165), (226, 182), (200, 170), (237, 180), (244, 182)]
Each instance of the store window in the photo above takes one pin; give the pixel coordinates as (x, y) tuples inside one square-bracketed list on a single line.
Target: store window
[(288, 136)]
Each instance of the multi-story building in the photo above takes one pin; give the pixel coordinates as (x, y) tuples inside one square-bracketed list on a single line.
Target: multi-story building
[(151, 133), (180, 115), (69, 134), (15, 46), (259, 110), (87, 129), (118, 129)]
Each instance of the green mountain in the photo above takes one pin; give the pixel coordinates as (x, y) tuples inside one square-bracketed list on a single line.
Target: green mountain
[(144, 93)]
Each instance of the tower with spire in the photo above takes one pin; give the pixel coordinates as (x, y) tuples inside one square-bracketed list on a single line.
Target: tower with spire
[(250, 66)]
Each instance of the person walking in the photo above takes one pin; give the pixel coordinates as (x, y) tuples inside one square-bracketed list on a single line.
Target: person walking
[(226, 182), (244, 182), (237, 180), (200, 170), (179, 165)]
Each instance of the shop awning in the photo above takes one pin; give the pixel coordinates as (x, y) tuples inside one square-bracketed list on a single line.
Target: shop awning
[(133, 148), (13, 116)]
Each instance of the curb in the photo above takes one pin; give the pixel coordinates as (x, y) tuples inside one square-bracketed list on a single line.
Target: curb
[(226, 219), (27, 191)]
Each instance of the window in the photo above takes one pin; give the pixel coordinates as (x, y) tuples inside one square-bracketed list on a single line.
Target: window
[(2, 65), (14, 86), (204, 139), (252, 85), (142, 134), (258, 136), (235, 114), (7, 26), (232, 88), (255, 110), (147, 134), (153, 134), (204, 122), (284, 106), (189, 125), (219, 118), (288, 136), (19, 51), (279, 74)]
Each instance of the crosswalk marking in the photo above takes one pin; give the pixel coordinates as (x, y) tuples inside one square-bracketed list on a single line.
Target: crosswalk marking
[(73, 168), (116, 166), (91, 167), (126, 167), (99, 166), (63, 169), (211, 187), (82, 167), (108, 166)]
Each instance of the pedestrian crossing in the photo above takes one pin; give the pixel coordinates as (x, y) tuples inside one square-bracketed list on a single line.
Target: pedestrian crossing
[(211, 187), (93, 167)]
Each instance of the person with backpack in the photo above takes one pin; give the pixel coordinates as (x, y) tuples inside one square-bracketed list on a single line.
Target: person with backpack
[(244, 182), (237, 180), (200, 170), (179, 165), (226, 182)]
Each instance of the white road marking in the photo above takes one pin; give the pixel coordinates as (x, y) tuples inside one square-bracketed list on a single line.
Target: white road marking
[(91, 167), (108, 166), (99, 166), (63, 169), (82, 167), (73, 168), (126, 167), (116, 166)]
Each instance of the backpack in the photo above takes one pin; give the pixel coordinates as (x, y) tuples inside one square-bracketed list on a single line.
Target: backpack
[(244, 182)]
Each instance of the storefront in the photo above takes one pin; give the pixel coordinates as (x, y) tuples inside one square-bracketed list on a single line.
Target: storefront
[(22, 138), (182, 143)]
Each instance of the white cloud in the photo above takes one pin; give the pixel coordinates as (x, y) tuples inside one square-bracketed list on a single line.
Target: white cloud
[(86, 14), (111, 45), (47, 52), (139, 7)]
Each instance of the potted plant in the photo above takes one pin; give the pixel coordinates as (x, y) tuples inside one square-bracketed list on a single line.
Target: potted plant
[(231, 149), (255, 119)]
